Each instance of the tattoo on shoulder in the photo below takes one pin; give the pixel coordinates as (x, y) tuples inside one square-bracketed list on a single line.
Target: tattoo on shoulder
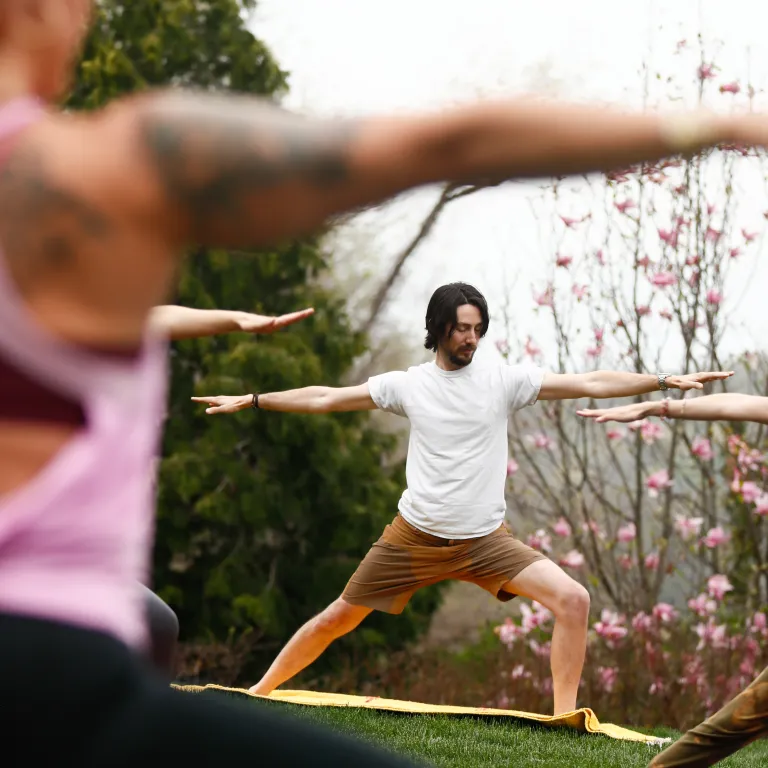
[(215, 154), (39, 220)]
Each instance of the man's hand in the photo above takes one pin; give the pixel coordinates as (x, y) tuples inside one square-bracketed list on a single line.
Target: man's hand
[(251, 323), (696, 380), (228, 403), (623, 413)]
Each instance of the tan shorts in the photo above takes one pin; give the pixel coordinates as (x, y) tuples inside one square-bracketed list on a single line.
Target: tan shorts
[(405, 559)]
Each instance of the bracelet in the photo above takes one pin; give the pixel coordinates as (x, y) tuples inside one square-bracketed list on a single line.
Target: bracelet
[(255, 401), (664, 408)]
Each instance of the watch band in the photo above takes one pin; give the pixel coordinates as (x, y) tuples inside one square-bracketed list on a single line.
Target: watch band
[(255, 401), (662, 377)]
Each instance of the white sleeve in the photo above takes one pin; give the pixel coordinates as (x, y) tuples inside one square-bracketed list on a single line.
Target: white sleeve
[(388, 391), (523, 383)]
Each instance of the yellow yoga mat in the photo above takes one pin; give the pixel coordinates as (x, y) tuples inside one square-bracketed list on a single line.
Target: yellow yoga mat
[(581, 719)]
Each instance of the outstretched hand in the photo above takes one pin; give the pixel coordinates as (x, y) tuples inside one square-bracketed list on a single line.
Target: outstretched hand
[(251, 323), (225, 403), (623, 413), (696, 380)]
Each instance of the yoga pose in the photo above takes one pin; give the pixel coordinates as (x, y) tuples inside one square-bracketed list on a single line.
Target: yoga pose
[(744, 719), (451, 516), (176, 323), (96, 211)]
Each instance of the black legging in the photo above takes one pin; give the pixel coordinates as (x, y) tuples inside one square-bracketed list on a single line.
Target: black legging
[(163, 633)]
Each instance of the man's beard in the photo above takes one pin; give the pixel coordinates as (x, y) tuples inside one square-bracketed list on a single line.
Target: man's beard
[(461, 362)]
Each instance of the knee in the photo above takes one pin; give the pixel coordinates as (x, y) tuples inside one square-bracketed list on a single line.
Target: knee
[(573, 604), (337, 619)]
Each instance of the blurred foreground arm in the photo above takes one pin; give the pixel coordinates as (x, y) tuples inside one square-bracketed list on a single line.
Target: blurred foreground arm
[(236, 171)]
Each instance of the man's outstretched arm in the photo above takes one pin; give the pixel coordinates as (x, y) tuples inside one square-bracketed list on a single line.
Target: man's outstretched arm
[(605, 384), (176, 323), (235, 171), (305, 400)]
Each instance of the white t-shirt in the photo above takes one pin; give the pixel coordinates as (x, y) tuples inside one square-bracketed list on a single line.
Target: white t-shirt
[(457, 453)]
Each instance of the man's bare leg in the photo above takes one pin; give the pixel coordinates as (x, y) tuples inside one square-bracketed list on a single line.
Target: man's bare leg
[(549, 585), (339, 618)]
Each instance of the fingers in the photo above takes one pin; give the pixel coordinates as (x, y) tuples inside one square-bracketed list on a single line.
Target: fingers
[(590, 413), (206, 400), (294, 317)]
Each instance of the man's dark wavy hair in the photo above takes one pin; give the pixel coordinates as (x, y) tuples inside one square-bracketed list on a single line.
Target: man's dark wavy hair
[(441, 310)]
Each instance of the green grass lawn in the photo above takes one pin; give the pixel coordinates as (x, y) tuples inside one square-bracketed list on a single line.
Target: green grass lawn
[(453, 742)]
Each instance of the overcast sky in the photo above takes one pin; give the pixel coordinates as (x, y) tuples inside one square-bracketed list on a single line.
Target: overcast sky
[(356, 57)]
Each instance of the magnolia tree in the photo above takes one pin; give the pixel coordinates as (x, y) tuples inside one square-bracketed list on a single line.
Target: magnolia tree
[(664, 521)]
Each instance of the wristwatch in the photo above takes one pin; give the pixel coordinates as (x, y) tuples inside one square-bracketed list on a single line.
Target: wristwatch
[(663, 381), (255, 401)]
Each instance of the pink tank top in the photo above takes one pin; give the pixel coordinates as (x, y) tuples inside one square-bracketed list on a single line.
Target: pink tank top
[(75, 540)]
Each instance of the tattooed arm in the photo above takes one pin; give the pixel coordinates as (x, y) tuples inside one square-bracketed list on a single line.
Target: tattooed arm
[(235, 171)]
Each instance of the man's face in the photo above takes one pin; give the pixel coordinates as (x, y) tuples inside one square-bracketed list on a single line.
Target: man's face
[(459, 347)]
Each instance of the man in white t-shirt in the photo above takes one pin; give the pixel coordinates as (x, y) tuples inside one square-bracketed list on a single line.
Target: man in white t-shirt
[(450, 521)]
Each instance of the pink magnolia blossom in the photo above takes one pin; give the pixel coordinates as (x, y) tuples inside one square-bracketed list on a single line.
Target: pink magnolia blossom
[(657, 687), (615, 434), (571, 223), (563, 261), (658, 481), (520, 672), (624, 205), (546, 299), (736, 481), (703, 605), (706, 71), (534, 617), (750, 458), (635, 425), (502, 346), (512, 467), (599, 333), (749, 236), (610, 627), (666, 314), (642, 622), (542, 650), (643, 262), (750, 492), (715, 537), (688, 527), (572, 559), (669, 236), (761, 505), (594, 351), (712, 635), (652, 561), (694, 278), (643, 310), (561, 528), (713, 235), (711, 208), (734, 252), (651, 431), (718, 585), (681, 222), (626, 533), (759, 622), (625, 561), (531, 349), (714, 297), (540, 440), (608, 677), (664, 279), (540, 541), (508, 632), (593, 526), (600, 256), (580, 291), (702, 448), (733, 88), (664, 613), (692, 260)]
